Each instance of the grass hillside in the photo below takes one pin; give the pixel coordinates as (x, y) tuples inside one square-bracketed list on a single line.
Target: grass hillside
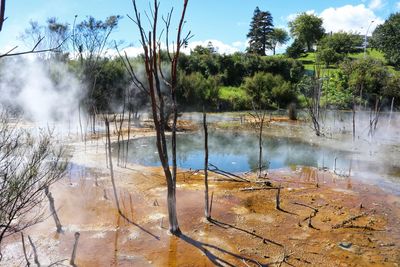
[(308, 59)]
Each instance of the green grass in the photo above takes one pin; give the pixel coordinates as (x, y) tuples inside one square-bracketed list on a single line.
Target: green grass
[(308, 60), (235, 96), (230, 93)]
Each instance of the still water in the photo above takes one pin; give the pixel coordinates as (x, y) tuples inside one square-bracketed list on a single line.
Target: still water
[(238, 152)]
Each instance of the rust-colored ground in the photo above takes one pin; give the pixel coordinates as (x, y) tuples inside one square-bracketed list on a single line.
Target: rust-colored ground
[(246, 229)]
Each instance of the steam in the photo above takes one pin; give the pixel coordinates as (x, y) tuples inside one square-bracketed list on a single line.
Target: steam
[(44, 92)]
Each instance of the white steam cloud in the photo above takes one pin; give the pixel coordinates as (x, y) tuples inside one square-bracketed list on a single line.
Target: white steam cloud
[(43, 91)]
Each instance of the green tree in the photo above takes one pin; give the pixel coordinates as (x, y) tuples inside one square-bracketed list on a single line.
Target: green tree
[(261, 31), (335, 92), (295, 50), (268, 90), (342, 42), (307, 28), (328, 55), (386, 38), (279, 37), (196, 90)]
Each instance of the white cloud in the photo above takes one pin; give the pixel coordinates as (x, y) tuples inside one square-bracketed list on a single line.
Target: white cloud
[(376, 4), (350, 18), (398, 5), (291, 17), (219, 46)]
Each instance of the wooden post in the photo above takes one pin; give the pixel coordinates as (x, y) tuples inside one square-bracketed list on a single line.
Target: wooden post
[(278, 200), (73, 256)]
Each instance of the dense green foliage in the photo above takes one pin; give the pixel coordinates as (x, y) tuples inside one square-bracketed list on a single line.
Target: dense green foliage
[(239, 81), (386, 38), (295, 50), (307, 29), (333, 48)]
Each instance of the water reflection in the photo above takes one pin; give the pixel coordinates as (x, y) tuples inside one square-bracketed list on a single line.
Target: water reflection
[(238, 152)]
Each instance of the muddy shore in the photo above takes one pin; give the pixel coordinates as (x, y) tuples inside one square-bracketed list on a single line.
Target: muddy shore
[(323, 220)]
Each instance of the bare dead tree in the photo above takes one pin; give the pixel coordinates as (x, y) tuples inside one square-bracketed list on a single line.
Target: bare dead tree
[(311, 89), (259, 116), (35, 49), (150, 41), (206, 198), (374, 117)]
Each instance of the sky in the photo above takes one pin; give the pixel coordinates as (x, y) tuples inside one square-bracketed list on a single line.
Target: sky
[(223, 22)]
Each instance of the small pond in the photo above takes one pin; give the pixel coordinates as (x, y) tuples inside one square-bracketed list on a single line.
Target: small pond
[(238, 152)]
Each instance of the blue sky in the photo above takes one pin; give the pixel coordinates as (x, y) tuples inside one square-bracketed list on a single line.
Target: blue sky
[(225, 22)]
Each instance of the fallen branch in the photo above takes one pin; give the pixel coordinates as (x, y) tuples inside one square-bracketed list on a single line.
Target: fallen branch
[(225, 173), (361, 227), (258, 188), (351, 219)]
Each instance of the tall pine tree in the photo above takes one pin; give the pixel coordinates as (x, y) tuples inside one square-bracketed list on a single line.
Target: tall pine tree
[(261, 31)]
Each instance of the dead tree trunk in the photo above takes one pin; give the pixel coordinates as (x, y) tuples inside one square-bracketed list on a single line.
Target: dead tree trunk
[(206, 198), (259, 117), (107, 124), (391, 111), (260, 166), (53, 209), (129, 136), (154, 74)]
